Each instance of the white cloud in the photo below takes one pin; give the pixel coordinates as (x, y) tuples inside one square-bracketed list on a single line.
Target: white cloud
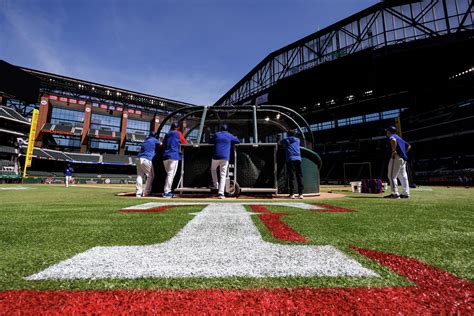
[(34, 33), (41, 38)]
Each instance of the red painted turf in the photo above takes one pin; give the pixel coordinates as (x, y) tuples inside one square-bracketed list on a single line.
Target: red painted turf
[(331, 208), (435, 291), (278, 228)]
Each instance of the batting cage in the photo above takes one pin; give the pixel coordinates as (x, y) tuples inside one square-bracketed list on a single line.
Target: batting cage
[(257, 164)]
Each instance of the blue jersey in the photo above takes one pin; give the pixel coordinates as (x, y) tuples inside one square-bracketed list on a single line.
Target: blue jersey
[(148, 148), (401, 146), (68, 172), (223, 140), (292, 148), (172, 141)]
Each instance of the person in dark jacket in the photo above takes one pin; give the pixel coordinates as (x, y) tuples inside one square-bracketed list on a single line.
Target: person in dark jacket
[(293, 163), (172, 156), (145, 166), (222, 141)]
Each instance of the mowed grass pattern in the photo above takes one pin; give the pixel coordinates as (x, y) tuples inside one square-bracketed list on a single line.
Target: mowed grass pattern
[(47, 224)]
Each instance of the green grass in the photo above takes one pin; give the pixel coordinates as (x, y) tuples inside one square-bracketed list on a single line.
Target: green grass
[(48, 224)]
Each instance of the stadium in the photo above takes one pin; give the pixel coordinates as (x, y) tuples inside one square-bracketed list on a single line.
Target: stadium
[(95, 248)]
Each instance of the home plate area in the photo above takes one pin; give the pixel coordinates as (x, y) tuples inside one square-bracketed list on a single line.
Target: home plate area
[(220, 241), (223, 241)]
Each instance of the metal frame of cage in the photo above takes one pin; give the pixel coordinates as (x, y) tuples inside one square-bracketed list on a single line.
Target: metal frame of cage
[(290, 115)]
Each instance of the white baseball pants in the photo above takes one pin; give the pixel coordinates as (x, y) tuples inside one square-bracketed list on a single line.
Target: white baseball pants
[(144, 169), (224, 166), (170, 167), (397, 170)]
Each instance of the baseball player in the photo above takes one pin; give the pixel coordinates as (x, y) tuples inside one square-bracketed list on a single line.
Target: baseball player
[(398, 149), (222, 141), (172, 156), (145, 165), (68, 175)]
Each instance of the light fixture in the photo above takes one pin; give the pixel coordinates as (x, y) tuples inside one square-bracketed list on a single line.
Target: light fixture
[(267, 119)]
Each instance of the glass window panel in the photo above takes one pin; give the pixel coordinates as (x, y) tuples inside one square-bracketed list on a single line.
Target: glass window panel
[(65, 141), (138, 126), (462, 6), (99, 121), (355, 120), (103, 144), (66, 116), (372, 117)]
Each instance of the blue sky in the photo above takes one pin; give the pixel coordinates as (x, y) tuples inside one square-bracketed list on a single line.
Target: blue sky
[(188, 50)]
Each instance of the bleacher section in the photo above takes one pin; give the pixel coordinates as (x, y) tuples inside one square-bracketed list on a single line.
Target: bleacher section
[(57, 155), (40, 153), (103, 134), (89, 158), (8, 150), (136, 137), (11, 114), (116, 159), (61, 129)]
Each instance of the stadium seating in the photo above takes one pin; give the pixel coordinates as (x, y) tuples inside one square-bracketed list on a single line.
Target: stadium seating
[(37, 173), (117, 176), (116, 159), (7, 149), (90, 158), (58, 155), (40, 153), (9, 113), (136, 137)]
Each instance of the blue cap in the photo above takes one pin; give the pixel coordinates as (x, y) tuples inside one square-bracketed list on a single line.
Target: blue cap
[(392, 129), (174, 125), (223, 127), (152, 134)]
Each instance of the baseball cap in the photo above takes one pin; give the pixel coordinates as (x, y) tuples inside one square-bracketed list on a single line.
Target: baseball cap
[(152, 134), (224, 127), (174, 125), (391, 129)]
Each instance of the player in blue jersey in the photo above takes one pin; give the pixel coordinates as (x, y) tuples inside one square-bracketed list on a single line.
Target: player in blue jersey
[(222, 141), (145, 165), (68, 175), (293, 163), (397, 149), (172, 156)]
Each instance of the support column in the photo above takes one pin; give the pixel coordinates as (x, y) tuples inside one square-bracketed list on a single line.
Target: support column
[(85, 127), (123, 133), (42, 119), (155, 123), (183, 126)]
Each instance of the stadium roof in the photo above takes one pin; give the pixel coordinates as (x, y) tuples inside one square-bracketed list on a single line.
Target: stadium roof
[(382, 25), (59, 84)]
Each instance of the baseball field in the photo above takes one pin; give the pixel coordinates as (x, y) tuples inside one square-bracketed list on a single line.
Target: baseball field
[(79, 242)]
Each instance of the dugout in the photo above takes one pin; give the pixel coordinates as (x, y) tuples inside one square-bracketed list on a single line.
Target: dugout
[(257, 165)]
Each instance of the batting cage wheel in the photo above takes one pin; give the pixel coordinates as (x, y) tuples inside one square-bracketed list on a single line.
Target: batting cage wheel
[(234, 189)]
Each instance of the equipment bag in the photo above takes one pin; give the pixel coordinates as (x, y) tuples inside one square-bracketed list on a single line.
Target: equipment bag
[(372, 186)]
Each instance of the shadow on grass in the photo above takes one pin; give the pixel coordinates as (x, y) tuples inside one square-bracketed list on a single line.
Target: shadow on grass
[(365, 197)]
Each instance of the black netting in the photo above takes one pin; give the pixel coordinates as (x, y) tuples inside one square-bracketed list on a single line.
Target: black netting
[(197, 166), (256, 166)]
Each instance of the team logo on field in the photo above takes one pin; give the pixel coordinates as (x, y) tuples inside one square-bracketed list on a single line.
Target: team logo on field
[(220, 241)]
